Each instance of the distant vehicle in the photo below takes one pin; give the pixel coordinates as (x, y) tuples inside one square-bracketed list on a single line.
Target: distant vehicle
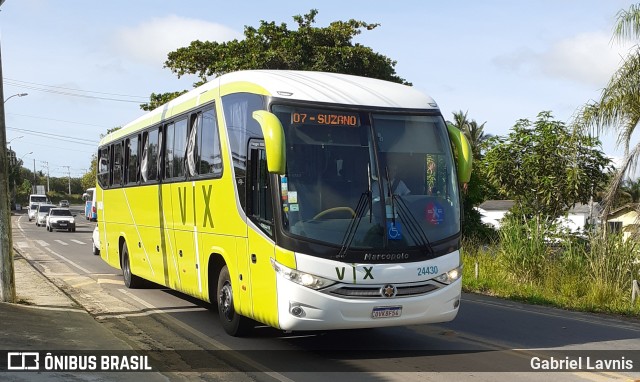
[(37, 198), (60, 218), (95, 240), (42, 212), (89, 198), (64, 203), (33, 210)]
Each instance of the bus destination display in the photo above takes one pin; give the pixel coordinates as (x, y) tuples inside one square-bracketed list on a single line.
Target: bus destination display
[(324, 118)]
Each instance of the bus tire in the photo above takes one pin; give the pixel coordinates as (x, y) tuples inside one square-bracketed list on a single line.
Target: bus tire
[(131, 281), (233, 323)]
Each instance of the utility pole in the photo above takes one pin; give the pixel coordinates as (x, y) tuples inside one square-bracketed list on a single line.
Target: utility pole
[(7, 273), (46, 164), (69, 175)]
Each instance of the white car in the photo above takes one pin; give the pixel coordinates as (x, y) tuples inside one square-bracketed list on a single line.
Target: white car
[(33, 210), (41, 214), (60, 218), (95, 240)]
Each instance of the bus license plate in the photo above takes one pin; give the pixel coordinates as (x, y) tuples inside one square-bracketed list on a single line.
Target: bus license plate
[(386, 311)]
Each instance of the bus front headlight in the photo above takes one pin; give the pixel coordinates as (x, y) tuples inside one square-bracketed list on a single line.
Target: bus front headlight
[(302, 278), (451, 276)]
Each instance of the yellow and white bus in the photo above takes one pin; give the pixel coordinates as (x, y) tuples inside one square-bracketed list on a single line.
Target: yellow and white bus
[(300, 200)]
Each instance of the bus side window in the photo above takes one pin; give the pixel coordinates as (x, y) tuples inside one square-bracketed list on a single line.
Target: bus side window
[(103, 167), (131, 161), (116, 178), (149, 162), (203, 152)]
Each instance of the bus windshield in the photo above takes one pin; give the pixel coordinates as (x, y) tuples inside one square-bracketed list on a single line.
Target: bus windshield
[(387, 178)]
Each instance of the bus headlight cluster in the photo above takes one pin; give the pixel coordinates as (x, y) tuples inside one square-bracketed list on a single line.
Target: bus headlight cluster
[(305, 279), (451, 276)]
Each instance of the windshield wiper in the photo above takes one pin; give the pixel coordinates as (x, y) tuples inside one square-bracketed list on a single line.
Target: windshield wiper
[(364, 202), (361, 208)]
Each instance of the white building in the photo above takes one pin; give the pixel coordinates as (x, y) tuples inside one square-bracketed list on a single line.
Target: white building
[(577, 219)]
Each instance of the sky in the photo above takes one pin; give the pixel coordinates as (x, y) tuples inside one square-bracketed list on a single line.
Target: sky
[(88, 65)]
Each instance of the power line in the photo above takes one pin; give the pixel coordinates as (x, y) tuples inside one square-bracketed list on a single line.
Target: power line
[(80, 141), (72, 89), (53, 90), (59, 120)]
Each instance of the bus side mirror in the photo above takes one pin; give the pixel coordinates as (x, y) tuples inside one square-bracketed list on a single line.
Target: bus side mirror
[(85, 196), (465, 154), (274, 142)]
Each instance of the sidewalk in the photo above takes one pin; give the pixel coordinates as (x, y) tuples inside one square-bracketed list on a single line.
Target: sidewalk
[(46, 319)]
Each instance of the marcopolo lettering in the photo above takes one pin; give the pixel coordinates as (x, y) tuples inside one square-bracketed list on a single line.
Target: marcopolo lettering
[(386, 256)]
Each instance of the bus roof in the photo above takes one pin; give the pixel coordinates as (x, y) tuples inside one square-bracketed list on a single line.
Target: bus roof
[(331, 88)]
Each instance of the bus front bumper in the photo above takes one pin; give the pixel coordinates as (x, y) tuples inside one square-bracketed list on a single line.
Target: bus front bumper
[(301, 308)]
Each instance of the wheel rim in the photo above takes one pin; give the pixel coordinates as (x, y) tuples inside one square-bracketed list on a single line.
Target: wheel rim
[(125, 267), (225, 300)]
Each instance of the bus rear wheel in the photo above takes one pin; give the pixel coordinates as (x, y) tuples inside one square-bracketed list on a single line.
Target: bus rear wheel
[(131, 281), (233, 323)]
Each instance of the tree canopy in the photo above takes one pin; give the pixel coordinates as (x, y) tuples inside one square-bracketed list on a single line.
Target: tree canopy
[(275, 46), (545, 167)]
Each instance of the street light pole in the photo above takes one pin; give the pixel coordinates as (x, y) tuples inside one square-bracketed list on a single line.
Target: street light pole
[(16, 95), (7, 273)]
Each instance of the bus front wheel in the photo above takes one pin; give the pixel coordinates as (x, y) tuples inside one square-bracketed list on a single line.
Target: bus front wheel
[(233, 323), (130, 280)]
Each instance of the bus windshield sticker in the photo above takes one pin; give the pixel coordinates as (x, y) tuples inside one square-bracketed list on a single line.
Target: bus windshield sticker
[(434, 213), (293, 196), (394, 230)]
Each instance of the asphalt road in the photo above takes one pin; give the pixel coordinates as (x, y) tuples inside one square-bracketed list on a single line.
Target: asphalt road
[(490, 340)]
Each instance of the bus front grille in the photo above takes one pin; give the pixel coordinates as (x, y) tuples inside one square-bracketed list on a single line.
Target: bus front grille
[(375, 291)]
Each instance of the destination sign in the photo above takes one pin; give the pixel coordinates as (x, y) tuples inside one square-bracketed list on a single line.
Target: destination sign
[(322, 118)]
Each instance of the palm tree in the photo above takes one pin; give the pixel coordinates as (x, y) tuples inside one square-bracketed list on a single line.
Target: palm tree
[(618, 108), (472, 131)]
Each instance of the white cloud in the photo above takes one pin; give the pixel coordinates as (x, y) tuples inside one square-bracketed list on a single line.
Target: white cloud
[(151, 41), (588, 58)]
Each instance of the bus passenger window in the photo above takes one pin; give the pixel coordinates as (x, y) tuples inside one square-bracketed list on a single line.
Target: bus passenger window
[(149, 162), (131, 157), (103, 167), (117, 164)]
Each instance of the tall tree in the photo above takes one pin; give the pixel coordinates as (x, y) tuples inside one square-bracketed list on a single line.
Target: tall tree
[(478, 188), (618, 108), (272, 46), (473, 131), (545, 167)]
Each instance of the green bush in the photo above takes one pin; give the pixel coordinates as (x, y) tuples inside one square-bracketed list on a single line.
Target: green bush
[(543, 267)]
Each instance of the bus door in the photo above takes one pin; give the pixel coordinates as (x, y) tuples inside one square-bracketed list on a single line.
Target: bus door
[(261, 246)]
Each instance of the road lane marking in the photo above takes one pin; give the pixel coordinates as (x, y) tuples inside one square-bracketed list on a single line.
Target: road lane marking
[(61, 242), (42, 243), (108, 281), (208, 339), (78, 242), (83, 283), (68, 261), (21, 244)]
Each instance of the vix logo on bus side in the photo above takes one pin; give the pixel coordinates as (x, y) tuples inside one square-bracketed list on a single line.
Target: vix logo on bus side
[(368, 272), (206, 193)]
